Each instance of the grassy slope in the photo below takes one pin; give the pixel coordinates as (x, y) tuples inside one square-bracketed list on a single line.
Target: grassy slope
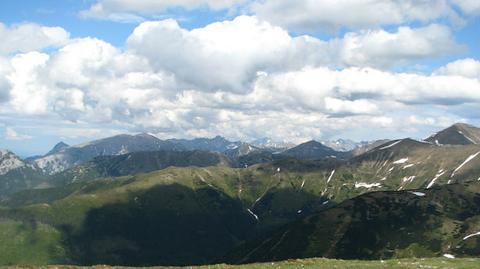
[(438, 263), (380, 225), (207, 205), (30, 243)]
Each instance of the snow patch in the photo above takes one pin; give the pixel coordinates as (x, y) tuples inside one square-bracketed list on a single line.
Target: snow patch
[(471, 140), (471, 157), (253, 214), (408, 179), (391, 145), (367, 185), (439, 174), (303, 184), (408, 165), (331, 175), (471, 235), (401, 161), (417, 193)]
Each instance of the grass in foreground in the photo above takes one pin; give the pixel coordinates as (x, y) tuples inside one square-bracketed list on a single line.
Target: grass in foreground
[(434, 263)]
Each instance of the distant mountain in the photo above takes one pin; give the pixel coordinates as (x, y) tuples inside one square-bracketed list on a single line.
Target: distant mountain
[(57, 148), (352, 147), (268, 143), (218, 144), (64, 157), (15, 174), (380, 225), (233, 150), (9, 161), (341, 144), (312, 150), (457, 134), (138, 162), (365, 146), (242, 149)]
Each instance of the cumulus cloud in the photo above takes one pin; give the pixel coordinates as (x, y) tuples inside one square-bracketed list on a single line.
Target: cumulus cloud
[(28, 94), (243, 78), (229, 55), (11, 134), (380, 48), (27, 37), (465, 67), (310, 86), (132, 10), (470, 7), (4, 82), (222, 55), (299, 15), (307, 15)]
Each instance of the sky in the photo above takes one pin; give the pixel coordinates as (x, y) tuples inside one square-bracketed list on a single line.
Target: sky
[(291, 70)]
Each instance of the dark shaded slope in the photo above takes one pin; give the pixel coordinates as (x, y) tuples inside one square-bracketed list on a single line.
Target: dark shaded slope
[(380, 225)]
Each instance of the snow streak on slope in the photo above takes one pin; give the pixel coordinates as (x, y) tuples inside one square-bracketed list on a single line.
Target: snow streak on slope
[(401, 161), (367, 185), (471, 157), (439, 174), (330, 177), (391, 145)]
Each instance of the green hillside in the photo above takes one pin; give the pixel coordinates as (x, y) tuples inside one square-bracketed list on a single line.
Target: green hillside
[(437, 263), (380, 225), (173, 216)]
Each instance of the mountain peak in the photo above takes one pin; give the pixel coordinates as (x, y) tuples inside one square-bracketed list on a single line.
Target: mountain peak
[(312, 150), (267, 142), (145, 135), (58, 147), (9, 161), (4, 152), (457, 134), (462, 125)]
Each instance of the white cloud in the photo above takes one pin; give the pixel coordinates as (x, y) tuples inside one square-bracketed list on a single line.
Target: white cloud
[(11, 134), (4, 82), (307, 15), (345, 107), (28, 94), (380, 48), (243, 79), (470, 7), (132, 10), (229, 55), (27, 37), (222, 55), (465, 67)]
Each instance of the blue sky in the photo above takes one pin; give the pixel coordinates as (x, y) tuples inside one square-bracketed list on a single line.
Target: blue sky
[(245, 69)]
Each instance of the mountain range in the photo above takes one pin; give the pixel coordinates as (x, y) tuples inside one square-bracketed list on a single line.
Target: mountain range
[(138, 200), (45, 170)]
